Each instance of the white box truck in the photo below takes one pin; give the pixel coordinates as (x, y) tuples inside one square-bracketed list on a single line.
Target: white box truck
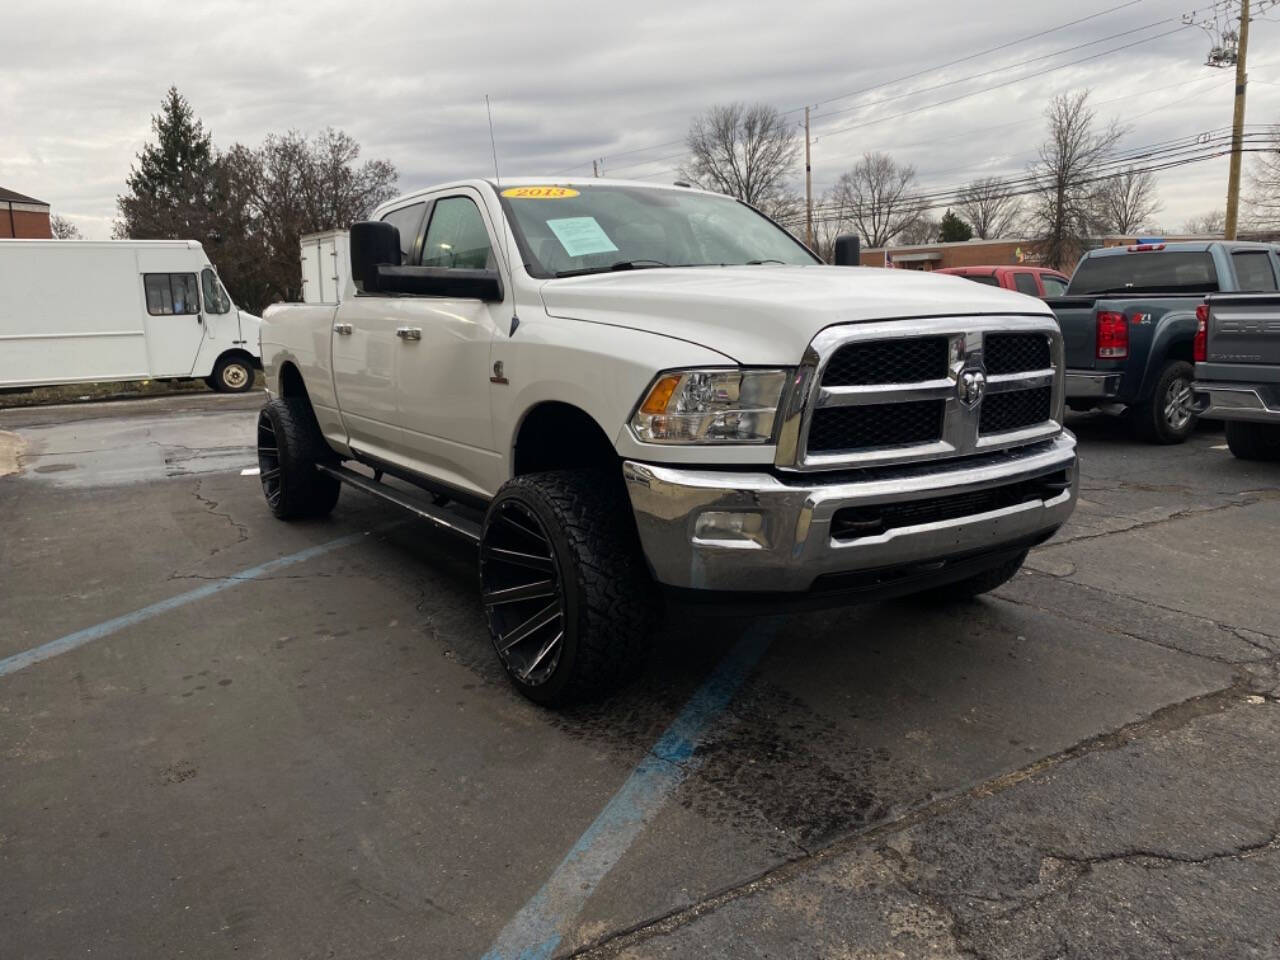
[(326, 267), (74, 311)]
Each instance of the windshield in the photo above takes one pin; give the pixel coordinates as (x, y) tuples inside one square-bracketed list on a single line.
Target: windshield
[(566, 231), (1170, 271)]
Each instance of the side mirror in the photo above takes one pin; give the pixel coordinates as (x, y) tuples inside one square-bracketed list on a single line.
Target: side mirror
[(848, 250), (374, 243), (438, 282)]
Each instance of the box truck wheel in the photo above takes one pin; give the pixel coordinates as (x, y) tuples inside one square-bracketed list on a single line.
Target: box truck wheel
[(233, 373), (289, 447)]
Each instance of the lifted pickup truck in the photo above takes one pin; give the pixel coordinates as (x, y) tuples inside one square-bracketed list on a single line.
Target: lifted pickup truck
[(646, 390), (1237, 351), (1129, 319)]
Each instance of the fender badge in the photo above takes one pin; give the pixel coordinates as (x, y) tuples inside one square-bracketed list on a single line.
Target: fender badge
[(497, 374)]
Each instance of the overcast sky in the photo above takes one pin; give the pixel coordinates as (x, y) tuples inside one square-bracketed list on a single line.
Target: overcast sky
[(575, 81)]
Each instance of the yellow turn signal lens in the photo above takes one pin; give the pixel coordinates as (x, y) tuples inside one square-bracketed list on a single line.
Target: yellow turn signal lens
[(656, 402)]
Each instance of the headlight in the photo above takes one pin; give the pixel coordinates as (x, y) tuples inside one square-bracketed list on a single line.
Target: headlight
[(710, 406)]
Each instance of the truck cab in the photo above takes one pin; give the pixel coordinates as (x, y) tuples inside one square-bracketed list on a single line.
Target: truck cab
[(1034, 281)]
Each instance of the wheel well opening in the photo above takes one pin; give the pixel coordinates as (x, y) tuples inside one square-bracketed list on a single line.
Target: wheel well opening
[(1180, 350), (558, 436), (291, 384)]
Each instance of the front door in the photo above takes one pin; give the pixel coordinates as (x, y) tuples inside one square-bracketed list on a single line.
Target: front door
[(443, 362), (174, 323)]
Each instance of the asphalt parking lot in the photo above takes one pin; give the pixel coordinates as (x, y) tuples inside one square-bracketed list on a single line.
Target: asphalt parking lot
[(220, 733)]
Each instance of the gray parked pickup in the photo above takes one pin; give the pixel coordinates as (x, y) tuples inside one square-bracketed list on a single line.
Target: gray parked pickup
[(1237, 351)]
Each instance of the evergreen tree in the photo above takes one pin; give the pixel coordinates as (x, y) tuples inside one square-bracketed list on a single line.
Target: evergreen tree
[(171, 188), (953, 229)]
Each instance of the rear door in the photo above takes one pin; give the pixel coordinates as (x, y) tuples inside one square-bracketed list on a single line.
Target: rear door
[(366, 351), (174, 322)]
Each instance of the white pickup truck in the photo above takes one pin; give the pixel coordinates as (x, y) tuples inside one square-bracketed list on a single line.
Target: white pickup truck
[(621, 391)]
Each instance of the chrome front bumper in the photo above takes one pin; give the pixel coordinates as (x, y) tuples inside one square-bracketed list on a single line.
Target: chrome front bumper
[(1083, 384), (1237, 401), (681, 515)]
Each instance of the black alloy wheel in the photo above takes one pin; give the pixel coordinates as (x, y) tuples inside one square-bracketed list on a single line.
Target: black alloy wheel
[(523, 593)]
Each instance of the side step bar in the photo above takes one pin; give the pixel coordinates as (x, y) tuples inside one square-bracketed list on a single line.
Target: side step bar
[(436, 516)]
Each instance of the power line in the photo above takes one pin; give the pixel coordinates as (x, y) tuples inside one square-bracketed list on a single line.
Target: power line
[(877, 86)]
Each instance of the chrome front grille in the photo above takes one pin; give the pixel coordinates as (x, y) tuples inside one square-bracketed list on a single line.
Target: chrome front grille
[(910, 390)]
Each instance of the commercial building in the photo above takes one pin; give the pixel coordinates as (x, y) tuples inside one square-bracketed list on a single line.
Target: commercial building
[(23, 217), (936, 256)]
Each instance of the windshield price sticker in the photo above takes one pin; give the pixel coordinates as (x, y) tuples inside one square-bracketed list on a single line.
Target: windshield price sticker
[(539, 193), (581, 236)]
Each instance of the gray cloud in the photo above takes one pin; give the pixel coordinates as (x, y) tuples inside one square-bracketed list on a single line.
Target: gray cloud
[(571, 82)]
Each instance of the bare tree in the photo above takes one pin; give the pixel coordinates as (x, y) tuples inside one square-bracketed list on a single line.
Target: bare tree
[(64, 229), (1264, 186), (1126, 201), (1211, 224), (830, 220), (1063, 211), (746, 151), (923, 229), (986, 205), (878, 194)]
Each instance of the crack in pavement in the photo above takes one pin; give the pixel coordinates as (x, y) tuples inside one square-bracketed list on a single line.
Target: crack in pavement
[(1167, 719), (211, 506), (1238, 632), (1250, 499)]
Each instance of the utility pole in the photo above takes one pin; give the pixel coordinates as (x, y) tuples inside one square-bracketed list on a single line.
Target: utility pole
[(808, 184), (1237, 125), (595, 168)]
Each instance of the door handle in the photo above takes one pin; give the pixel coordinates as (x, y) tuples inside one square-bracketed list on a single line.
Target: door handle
[(342, 328), (409, 333)]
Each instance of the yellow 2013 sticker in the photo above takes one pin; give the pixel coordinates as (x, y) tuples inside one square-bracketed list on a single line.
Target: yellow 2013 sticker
[(539, 193)]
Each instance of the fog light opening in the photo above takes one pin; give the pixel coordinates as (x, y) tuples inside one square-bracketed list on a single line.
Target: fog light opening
[(731, 529)]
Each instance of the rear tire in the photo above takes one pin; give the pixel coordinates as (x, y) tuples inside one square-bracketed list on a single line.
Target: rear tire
[(565, 587), (1167, 417), (979, 583), (231, 374), (289, 447), (1253, 441)]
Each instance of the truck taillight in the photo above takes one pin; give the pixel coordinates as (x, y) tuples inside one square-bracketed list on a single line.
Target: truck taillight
[(1200, 346), (1113, 336)]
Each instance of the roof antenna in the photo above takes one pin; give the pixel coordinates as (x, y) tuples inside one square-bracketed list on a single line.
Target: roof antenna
[(493, 145)]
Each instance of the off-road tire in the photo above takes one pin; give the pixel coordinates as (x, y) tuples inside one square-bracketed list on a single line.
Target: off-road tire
[(289, 447), (979, 583), (1150, 420), (1253, 441), (231, 374), (608, 600)]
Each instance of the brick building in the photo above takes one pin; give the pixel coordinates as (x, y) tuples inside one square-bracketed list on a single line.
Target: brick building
[(935, 256), (23, 217)]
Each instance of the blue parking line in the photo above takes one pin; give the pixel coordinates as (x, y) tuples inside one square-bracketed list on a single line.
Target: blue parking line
[(20, 661), (537, 929)]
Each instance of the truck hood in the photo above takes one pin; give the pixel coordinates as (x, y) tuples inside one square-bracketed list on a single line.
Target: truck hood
[(767, 314)]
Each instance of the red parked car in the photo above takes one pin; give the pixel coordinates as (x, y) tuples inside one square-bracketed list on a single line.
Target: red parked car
[(1037, 281)]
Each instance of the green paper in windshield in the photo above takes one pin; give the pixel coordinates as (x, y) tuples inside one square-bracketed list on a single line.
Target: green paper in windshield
[(581, 236)]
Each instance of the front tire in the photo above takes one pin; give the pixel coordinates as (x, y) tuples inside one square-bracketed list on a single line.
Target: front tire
[(231, 374), (1253, 441), (564, 584), (1168, 417), (289, 447), (978, 584)]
